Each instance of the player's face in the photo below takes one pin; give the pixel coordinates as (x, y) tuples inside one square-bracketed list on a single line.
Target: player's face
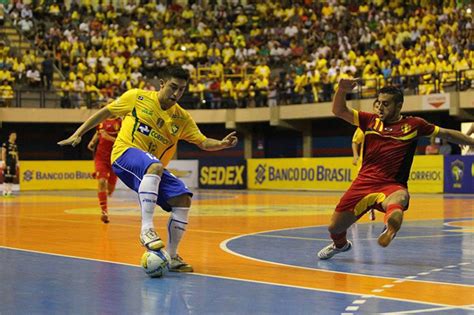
[(386, 108), (13, 137), (171, 91)]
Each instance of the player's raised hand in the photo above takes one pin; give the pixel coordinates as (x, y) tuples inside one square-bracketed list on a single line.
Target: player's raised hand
[(72, 140), (348, 85), (230, 140)]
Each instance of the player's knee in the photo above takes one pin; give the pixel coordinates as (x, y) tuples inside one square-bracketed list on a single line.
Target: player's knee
[(102, 184), (183, 200), (155, 168)]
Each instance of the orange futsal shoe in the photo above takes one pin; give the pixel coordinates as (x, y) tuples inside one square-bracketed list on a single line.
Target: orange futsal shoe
[(104, 217), (394, 223)]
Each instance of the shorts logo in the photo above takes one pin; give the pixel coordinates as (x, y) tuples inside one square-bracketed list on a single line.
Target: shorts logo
[(260, 173), (160, 122), (144, 129)]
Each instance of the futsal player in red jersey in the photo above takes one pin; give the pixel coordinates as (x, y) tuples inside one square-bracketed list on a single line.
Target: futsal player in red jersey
[(389, 147), (102, 144)]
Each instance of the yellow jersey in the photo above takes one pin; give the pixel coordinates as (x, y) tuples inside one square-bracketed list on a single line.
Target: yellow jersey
[(146, 126)]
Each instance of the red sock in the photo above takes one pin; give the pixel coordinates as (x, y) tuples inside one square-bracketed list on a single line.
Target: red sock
[(103, 200), (390, 209), (339, 239)]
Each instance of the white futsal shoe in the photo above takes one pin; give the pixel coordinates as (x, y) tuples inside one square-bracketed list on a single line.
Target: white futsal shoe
[(331, 250), (151, 240)]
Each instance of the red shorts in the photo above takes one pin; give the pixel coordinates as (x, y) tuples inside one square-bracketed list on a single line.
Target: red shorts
[(361, 197), (103, 169)]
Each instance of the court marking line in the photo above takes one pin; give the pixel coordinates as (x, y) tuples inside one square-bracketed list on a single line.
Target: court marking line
[(223, 246), (227, 278), (387, 286), (465, 307)]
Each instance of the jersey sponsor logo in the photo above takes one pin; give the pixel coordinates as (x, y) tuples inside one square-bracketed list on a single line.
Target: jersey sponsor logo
[(144, 129), (147, 111), (176, 116), (140, 98), (159, 137)]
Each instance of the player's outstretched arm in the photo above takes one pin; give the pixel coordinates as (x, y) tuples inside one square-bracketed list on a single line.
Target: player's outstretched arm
[(228, 141), (455, 136), (339, 106), (90, 123)]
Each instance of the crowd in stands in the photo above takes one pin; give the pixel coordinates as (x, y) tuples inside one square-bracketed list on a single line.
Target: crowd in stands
[(262, 53)]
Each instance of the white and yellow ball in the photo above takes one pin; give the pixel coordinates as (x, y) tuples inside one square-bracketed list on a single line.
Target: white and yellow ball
[(155, 263)]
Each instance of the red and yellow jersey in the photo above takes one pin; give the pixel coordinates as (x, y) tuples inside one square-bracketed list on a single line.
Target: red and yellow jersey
[(111, 127), (389, 147), (148, 127)]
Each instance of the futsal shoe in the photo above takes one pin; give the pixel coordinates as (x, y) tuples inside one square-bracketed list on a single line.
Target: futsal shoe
[(104, 217), (177, 264), (331, 250), (151, 240), (389, 232)]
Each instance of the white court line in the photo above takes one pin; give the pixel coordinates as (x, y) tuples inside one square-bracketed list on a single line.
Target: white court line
[(223, 246), (234, 279), (465, 307)]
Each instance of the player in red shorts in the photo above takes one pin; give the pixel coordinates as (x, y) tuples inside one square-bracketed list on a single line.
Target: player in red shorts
[(390, 144), (102, 144)]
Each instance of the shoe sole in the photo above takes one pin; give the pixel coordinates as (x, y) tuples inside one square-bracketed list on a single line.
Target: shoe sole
[(184, 269), (104, 218), (394, 223)]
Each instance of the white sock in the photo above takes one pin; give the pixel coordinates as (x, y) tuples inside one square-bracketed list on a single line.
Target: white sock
[(176, 227), (147, 195)]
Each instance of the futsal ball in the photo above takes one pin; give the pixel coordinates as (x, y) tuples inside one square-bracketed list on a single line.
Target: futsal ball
[(155, 263)]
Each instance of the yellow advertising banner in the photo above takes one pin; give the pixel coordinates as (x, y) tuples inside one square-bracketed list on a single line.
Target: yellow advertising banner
[(57, 175), (334, 174), (427, 174), (301, 173)]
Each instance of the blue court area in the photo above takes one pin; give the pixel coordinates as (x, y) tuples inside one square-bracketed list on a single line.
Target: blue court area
[(434, 250), (35, 283)]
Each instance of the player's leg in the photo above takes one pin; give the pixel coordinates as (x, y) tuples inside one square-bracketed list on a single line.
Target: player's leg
[(102, 195), (101, 173), (111, 182), (141, 172), (7, 181), (340, 222), (177, 224), (394, 205), (148, 195), (175, 198)]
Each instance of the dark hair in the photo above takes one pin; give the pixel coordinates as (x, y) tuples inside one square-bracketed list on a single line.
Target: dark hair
[(396, 92), (175, 72)]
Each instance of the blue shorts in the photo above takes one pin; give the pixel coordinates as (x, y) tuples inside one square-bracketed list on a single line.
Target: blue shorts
[(132, 165)]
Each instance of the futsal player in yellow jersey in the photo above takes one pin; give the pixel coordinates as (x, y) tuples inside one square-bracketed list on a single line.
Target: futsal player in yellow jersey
[(152, 125)]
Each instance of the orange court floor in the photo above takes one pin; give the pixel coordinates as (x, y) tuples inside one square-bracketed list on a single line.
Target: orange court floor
[(253, 252)]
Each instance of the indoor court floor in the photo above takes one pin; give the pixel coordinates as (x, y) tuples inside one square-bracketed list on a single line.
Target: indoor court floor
[(254, 252)]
